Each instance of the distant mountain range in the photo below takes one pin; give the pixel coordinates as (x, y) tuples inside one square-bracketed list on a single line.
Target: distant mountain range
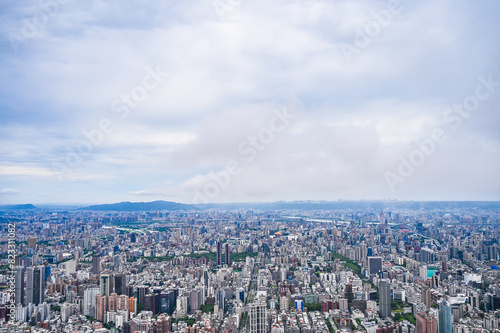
[(18, 207), (278, 205), (140, 206)]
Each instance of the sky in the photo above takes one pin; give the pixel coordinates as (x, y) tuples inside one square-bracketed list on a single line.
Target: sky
[(249, 100)]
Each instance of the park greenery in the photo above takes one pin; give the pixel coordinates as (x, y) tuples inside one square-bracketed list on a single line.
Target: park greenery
[(207, 308)]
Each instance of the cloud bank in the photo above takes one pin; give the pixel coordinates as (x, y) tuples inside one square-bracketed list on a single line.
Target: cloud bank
[(106, 102)]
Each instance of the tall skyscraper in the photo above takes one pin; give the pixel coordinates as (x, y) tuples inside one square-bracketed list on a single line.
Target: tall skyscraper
[(96, 264), (374, 265), (348, 293), (194, 300), (228, 258), (120, 284), (219, 253), (19, 284), (205, 279), (385, 299), (363, 250), (219, 298), (141, 294), (35, 285), (258, 322), (152, 303), (89, 301), (106, 284), (445, 319), (168, 301)]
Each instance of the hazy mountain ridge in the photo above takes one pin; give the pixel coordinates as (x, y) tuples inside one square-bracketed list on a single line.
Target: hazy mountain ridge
[(140, 206), (18, 207)]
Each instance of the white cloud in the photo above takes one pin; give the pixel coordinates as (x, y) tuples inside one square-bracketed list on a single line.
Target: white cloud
[(18, 170), (226, 76), (9, 191)]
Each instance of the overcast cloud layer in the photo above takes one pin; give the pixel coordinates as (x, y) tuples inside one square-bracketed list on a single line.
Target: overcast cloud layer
[(249, 100)]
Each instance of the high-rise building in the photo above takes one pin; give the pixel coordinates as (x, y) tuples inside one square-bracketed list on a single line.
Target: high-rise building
[(152, 303), (427, 256), (141, 293), (444, 266), (299, 304), (385, 298), (106, 284), (492, 252), (240, 295), (66, 311), (219, 253), (423, 272), (374, 265), (182, 304), (343, 304), (96, 264), (228, 258), (426, 298), (89, 301), (435, 281), (101, 307), (348, 293), (132, 305), (220, 299), (120, 284), (445, 319), (363, 251), (19, 284), (167, 302), (425, 323), (258, 322), (31, 242), (194, 300), (284, 303), (35, 285), (205, 279)]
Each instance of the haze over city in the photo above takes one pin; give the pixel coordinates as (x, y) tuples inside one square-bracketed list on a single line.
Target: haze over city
[(235, 101)]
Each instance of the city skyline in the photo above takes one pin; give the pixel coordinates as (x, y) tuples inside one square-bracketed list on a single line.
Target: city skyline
[(415, 270), (249, 101)]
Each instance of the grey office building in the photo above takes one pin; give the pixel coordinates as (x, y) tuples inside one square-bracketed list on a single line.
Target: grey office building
[(35, 285), (374, 265), (19, 284), (385, 299)]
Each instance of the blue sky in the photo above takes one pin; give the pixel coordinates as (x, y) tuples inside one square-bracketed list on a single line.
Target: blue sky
[(239, 100)]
